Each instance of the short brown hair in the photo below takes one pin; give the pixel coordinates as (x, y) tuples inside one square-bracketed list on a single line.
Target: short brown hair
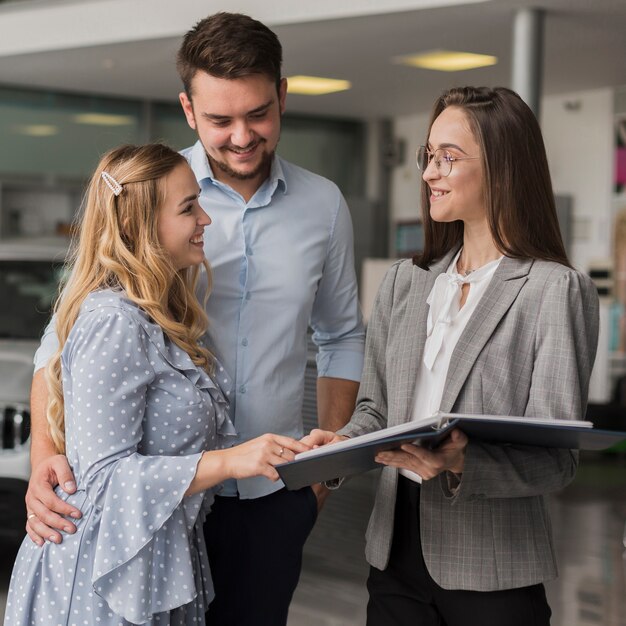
[(229, 45), (519, 200)]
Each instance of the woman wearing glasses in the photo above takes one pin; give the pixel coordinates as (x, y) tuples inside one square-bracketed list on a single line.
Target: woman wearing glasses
[(492, 319)]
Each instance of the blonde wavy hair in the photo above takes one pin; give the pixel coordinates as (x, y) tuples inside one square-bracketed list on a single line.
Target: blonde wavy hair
[(117, 247)]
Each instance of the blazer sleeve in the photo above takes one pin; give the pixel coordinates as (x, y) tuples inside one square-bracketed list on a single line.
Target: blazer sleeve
[(370, 413), (565, 349)]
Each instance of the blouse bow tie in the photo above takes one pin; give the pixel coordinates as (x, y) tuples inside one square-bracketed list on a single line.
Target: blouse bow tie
[(444, 301)]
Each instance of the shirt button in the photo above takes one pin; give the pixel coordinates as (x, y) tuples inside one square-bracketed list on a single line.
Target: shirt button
[(249, 251), (242, 389), (244, 342)]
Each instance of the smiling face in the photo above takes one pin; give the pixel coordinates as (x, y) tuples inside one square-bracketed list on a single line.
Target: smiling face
[(460, 195), (181, 219), (238, 122)]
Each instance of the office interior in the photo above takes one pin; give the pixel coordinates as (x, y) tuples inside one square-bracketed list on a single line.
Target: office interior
[(80, 76)]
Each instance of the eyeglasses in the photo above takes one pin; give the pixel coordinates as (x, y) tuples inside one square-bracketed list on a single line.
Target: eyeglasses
[(443, 160)]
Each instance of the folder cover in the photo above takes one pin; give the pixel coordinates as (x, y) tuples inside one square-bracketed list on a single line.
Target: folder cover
[(356, 455)]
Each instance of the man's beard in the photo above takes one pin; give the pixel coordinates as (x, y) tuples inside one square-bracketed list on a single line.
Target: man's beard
[(264, 165)]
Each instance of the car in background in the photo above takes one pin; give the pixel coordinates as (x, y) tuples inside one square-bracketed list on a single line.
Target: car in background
[(30, 271)]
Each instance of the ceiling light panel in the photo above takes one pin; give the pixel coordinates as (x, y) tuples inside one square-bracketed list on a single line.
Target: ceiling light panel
[(315, 85), (447, 60), (104, 119), (36, 130)]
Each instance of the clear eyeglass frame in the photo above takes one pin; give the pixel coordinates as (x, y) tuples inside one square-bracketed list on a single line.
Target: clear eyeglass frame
[(442, 158)]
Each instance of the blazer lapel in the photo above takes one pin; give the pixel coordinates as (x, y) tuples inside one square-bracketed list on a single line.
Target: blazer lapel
[(499, 296), (415, 327)]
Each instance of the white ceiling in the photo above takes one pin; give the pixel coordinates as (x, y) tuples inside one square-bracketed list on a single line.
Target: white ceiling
[(585, 48)]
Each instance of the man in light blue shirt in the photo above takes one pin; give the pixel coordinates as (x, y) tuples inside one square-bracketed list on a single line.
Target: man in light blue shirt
[(281, 261), (281, 251)]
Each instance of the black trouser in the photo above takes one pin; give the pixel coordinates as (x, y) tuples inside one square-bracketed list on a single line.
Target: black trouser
[(255, 553), (404, 594)]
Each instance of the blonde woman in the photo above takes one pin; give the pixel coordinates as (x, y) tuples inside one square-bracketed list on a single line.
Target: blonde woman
[(135, 401)]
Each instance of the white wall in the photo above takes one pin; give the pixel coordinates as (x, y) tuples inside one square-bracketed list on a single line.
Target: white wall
[(405, 179), (578, 133), (39, 211)]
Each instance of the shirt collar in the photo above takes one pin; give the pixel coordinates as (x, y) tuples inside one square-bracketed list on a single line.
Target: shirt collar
[(277, 174), (199, 162)]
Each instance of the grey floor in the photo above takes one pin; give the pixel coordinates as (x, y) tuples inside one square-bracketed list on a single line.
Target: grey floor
[(589, 519)]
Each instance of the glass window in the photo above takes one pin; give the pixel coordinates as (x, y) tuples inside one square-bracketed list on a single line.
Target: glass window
[(170, 126), (27, 289), (61, 135), (52, 142), (331, 148)]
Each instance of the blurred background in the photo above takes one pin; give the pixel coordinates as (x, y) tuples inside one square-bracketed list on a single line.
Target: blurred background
[(78, 77)]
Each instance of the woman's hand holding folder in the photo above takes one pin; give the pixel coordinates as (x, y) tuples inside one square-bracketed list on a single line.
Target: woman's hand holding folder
[(448, 456)]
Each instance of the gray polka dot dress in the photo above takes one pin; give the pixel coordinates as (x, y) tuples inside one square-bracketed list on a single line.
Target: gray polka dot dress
[(139, 413)]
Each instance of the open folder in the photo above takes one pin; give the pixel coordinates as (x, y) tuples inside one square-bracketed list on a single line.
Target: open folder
[(356, 455)]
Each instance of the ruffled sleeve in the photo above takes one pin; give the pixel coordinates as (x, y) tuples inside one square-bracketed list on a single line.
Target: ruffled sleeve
[(143, 563)]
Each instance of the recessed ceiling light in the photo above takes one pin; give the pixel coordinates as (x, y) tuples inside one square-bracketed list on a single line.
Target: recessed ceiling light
[(447, 60), (315, 85), (36, 130), (104, 119)]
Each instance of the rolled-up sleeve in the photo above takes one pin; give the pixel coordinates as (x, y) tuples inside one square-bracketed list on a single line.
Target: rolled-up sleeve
[(143, 527), (336, 317)]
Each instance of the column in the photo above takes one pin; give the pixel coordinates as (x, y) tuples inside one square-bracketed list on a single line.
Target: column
[(528, 56)]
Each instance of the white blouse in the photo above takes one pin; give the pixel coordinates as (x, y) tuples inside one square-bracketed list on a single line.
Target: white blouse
[(446, 322)]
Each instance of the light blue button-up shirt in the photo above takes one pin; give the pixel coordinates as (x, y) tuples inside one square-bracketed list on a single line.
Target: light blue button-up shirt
[(283, 261)]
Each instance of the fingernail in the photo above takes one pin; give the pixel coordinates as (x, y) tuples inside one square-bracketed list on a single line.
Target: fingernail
[(53, 539), (68, 529), (70, 484), (75, 514)]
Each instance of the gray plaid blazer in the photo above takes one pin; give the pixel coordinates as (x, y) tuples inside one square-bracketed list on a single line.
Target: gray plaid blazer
[(528, 349)]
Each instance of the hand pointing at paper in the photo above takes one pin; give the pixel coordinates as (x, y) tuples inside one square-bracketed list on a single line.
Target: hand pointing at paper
[(317, 438)]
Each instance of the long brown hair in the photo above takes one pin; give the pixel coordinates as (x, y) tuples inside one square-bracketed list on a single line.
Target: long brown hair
[(118, 248), (518, 191)]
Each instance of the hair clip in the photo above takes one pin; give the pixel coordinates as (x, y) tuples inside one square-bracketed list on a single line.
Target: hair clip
[(111, 183)]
